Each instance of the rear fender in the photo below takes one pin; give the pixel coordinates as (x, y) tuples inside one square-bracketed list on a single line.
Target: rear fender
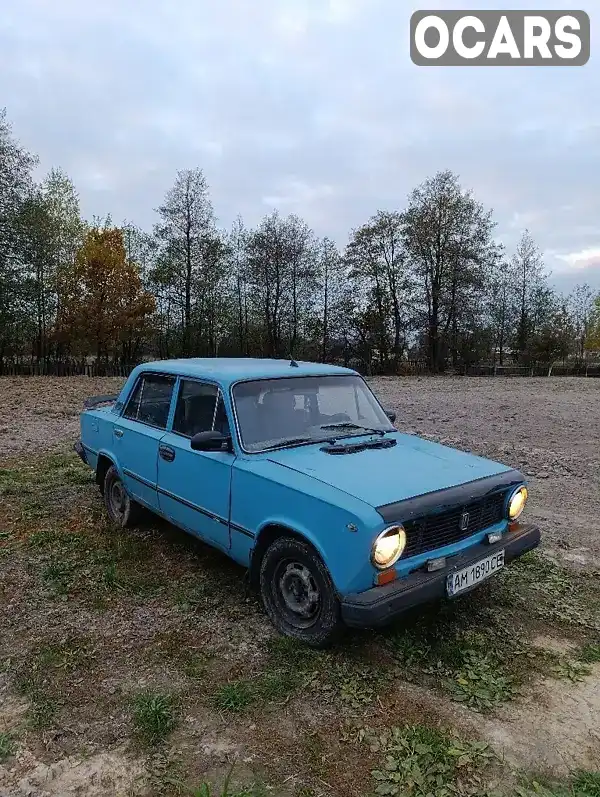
[(104, 462)]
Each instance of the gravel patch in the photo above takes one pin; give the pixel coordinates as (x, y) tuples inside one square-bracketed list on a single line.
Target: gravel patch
[(41, 413)]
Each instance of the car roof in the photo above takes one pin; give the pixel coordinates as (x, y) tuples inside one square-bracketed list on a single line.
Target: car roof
[(228, 370)]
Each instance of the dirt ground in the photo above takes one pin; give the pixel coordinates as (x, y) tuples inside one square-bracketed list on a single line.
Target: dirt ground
[(91, 620)]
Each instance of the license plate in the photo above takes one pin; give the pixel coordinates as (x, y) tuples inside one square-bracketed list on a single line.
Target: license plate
[(468, 577)]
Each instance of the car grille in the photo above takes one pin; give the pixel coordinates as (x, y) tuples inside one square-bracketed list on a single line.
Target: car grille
[(436, 531)]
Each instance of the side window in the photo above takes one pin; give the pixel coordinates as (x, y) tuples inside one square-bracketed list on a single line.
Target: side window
[(195, 408), (221, 422), (133, 405), (151, 400)]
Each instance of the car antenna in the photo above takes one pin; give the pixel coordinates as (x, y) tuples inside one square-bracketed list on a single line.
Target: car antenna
[(293, 363)]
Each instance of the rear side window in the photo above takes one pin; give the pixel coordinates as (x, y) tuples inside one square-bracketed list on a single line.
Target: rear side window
[(195, 410), (151, 400)]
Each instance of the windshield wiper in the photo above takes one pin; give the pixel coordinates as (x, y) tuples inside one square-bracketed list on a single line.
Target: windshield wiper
[(295, 441), (350, 425)]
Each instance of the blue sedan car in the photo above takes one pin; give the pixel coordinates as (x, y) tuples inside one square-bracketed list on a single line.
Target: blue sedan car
[(297, 472)]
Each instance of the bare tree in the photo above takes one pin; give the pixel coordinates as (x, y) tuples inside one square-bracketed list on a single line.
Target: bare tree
[(377, 257), (528, 273), (282, 274), (332, 280), (500, 309), (237, 254), (185, 233), (16, 185), (448, 241)]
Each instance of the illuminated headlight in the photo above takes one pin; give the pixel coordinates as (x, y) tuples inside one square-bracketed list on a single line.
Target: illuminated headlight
[(388, 547), (516, 503)]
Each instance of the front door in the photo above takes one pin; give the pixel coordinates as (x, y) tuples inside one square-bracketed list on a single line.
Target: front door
[(194, 486), (137, 434)]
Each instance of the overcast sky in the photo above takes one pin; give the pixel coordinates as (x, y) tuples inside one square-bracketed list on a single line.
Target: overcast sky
[(310, 106)]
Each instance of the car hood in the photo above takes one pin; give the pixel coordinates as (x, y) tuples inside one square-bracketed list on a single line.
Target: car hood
[(382, 476)]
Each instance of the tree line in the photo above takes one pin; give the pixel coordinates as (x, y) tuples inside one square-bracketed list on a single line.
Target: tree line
[(428, 282)]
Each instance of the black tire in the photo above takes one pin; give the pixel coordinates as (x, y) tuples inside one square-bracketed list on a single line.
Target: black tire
[(298, 594), (122, 509)]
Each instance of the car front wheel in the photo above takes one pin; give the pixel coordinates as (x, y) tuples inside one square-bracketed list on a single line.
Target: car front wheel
[(121, 509), (298, 594)]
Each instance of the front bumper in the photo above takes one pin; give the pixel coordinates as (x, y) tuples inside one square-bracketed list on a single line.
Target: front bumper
[(380, 605), (80, 450)]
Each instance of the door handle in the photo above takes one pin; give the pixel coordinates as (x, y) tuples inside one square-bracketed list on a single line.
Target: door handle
[(118, 432), (167, 453)]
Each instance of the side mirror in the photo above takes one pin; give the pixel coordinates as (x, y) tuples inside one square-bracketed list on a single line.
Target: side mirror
[(210, 441), (391, 415)]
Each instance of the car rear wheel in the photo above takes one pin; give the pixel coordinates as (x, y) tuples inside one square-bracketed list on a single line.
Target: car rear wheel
[(122, 510), (298, 594)]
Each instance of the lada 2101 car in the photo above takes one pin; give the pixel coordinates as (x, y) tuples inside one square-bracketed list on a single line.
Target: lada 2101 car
[(297, 472)]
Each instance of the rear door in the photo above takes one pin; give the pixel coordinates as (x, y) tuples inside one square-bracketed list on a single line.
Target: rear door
[(194, 486), (138, 432)]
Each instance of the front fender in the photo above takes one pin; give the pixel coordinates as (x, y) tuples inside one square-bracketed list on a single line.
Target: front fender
[(340, 527), (295, 527)]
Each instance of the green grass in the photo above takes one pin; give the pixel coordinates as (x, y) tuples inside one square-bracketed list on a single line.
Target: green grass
[(180, 651), (79, 553), (477, 667), (6, 746), (125, 577), (57, 540), (481, 681), (43, 712), (581, 784), (276, 684), (194, 595), (283, 651), (172, 780), (590, 653), (587, 783), (95, 563), (554, 593), (478, 649), (208, 790), (67, 655), (154, 716), (426, 762), (234, 696), (59, 576), (41, 676), (43, 707), (338, 674), (43, 474), (574, 671)]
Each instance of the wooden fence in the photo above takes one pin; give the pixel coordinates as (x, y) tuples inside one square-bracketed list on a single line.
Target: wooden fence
[(66, 369), (581, 369), (412, 368)]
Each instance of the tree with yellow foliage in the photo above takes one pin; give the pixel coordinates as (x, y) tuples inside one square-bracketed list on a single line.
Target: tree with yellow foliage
[(105, 308)]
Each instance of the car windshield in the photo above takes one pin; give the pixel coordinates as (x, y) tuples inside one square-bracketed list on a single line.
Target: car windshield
[(273, 413)]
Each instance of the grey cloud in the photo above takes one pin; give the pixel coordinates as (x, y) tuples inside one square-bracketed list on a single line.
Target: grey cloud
[(309, 105)]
